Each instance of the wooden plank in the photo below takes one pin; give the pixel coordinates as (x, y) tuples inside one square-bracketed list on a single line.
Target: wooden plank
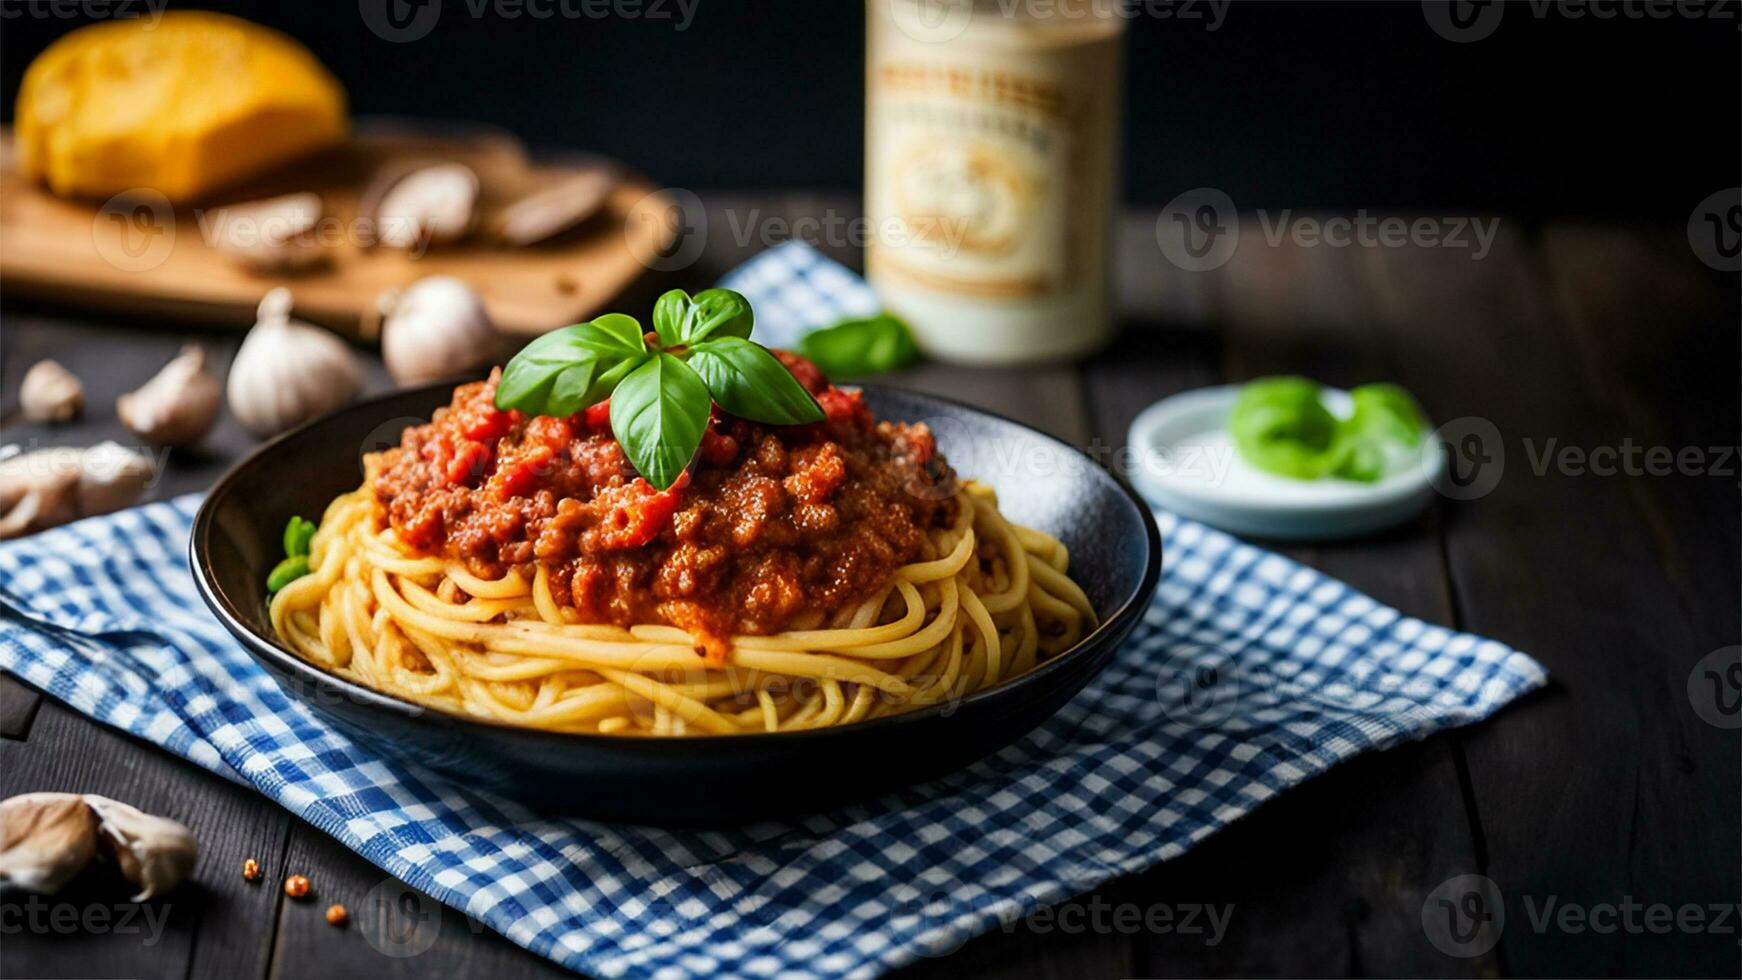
[(18, 705), (215, 925), (1579, 788), (1384, 830), (394, 931), (1656, 337)]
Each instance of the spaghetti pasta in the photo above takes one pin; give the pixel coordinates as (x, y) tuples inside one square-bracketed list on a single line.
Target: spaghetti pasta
[(985, 601)]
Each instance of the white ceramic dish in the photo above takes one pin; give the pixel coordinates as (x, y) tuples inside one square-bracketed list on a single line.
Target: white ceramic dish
[(1184, 461)]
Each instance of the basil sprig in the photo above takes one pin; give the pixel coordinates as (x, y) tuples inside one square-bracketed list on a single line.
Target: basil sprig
[(854, 348), (661, 393)]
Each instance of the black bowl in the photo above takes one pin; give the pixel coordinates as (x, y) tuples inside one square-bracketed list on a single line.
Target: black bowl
[(1115, 556)]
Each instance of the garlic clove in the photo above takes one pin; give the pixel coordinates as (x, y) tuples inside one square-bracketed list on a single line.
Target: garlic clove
[(111, 477), (177, 406), (421, 207), (274, 235), (287, 372), (155, 853), (436, 328), (544, 214), (50, 393), (46, 839), (50, 487)]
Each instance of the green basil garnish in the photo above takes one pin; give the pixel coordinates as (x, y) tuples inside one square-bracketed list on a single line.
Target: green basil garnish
[(751, 383), (593, 356), (854, 348), (658, 414), (661, 396), (1280, 426)]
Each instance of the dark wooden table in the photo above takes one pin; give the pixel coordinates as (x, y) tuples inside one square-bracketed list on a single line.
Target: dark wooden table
[(1608, 791)]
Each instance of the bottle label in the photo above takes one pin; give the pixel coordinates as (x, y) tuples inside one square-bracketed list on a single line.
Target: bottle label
[(973, 178)]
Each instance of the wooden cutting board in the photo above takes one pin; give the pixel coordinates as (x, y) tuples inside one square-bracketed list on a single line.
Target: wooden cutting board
[(141, 256)]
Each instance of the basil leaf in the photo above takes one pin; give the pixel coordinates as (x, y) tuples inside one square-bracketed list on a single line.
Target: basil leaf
[(669, 313), (1280, 426), (751, 383), (854, 348), (718, 313), (590, 349), (1386, 412), (658, 414)]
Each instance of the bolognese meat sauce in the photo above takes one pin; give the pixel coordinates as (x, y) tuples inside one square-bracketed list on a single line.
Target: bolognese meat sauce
[(770, 523)]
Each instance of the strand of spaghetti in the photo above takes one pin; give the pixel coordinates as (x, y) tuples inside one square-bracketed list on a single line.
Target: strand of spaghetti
[(819, 666), (1059, 585), (1048, 605), (1015, 560), (951, 563), (841, 640), (907, 646), (868, 611), (988, 636), (860, 706), (1048, 548), (506, 587), (771, 716), (688, 709), (476, 611), (542, 600)]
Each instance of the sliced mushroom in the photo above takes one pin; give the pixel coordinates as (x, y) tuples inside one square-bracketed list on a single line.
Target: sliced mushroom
[(422, 206), (273, 235), (547, 213)]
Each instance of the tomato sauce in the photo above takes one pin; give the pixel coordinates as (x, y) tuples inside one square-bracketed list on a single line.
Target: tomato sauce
[(770, 523)]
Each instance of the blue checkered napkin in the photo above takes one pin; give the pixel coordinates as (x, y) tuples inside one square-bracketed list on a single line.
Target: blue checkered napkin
[(795, 290), (1248, 675)]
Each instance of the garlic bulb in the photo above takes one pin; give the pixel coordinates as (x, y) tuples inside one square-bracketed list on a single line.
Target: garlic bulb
[(46, 839), (275, 235), (50, 393), (288, 372), (176, 407), (426, 206), (435, 328), (50, 487)]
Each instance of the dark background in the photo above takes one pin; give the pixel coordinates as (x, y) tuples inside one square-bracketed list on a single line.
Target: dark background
[(1305, 105)]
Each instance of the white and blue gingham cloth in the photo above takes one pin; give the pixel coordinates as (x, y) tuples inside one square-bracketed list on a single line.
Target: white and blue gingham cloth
[(1248, 675)]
